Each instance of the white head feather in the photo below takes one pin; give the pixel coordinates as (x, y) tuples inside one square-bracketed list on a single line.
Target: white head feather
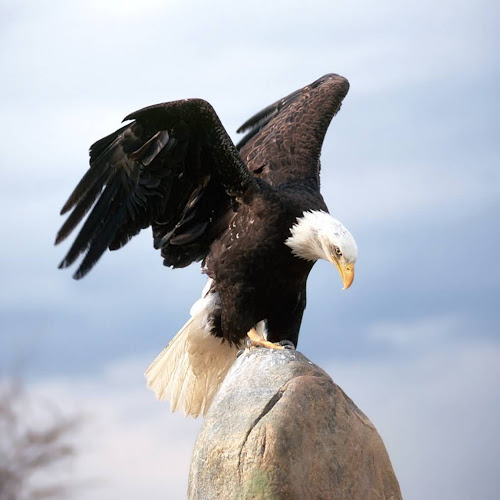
[(316, 235)]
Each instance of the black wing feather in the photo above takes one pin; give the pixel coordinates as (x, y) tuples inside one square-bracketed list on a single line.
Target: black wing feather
[(173, 168), (100, 146), (101, 239), (93, 225), (283, 141), (258, 121)]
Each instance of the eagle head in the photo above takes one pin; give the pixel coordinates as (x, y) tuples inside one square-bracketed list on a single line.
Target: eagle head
[(317, 235)]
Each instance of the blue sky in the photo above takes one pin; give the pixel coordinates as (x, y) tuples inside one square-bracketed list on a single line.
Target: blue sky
[(410, 165)]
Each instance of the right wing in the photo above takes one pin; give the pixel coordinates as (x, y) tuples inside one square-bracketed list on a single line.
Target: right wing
[(283, 141), (173, 168)]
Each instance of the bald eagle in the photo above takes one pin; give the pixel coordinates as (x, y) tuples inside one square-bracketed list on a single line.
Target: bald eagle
[(252, 213)]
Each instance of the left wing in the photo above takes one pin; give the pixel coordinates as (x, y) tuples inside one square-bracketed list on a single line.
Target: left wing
[(173, 168)]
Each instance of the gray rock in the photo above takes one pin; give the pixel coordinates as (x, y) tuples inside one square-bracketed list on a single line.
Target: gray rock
[(280, 428)]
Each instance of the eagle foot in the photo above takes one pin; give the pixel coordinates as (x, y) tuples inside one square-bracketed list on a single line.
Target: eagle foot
[(255, 340), (287, 345)]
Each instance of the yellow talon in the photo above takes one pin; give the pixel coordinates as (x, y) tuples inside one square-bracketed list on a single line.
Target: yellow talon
[(257, 341)]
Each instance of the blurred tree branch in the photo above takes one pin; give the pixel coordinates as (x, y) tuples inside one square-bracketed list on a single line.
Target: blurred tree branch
[(34, 440)]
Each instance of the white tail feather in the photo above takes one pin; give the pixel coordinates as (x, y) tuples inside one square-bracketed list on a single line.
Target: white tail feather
[(191, 368)]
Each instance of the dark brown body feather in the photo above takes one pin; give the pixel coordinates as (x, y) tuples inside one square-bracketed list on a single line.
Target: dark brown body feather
[(174, 168)]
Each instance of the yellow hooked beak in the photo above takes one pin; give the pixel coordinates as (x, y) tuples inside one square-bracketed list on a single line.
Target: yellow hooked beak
[(346, 272)]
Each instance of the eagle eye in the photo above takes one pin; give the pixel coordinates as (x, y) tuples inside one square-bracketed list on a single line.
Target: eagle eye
[(338, 251)]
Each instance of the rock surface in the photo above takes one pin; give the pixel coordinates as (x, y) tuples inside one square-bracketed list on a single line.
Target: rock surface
[(280, 428)]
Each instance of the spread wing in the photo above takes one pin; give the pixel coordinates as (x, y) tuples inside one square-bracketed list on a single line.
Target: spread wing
[(283, 141), (173, 168)]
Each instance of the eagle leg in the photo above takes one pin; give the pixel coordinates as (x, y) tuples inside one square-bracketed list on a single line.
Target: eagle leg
[(255, 340)]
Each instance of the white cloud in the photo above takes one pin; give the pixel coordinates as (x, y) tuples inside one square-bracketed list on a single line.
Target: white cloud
[(423, 333), (400, 193), (126, 8)]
